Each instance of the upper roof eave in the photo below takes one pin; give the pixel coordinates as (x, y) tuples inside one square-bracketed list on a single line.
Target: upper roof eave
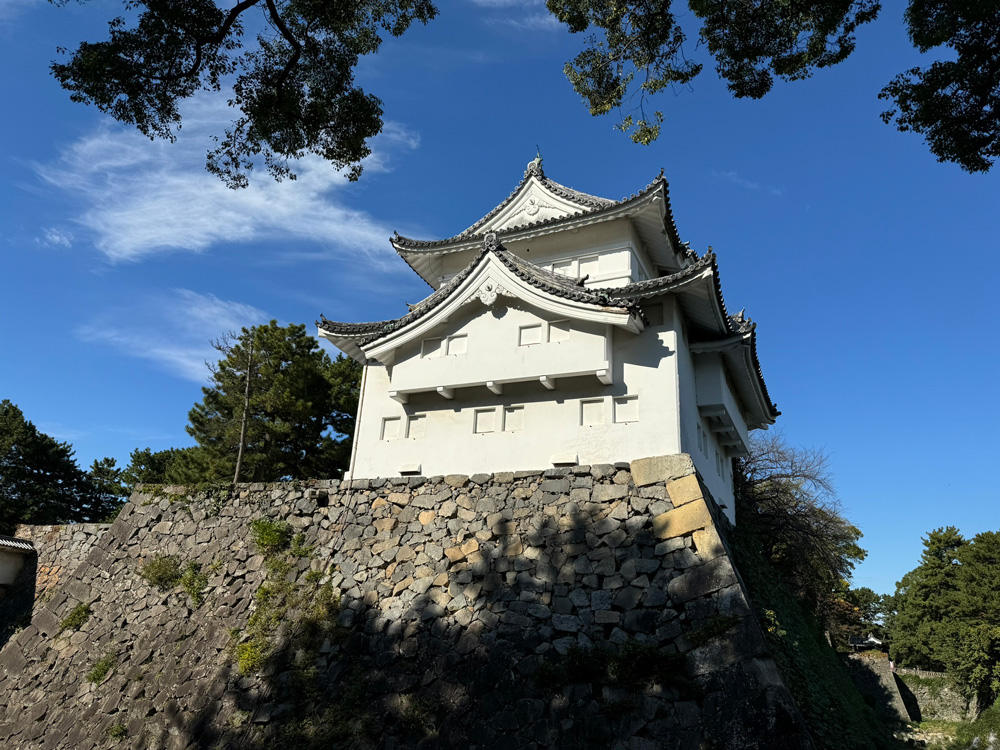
[(470, 238)]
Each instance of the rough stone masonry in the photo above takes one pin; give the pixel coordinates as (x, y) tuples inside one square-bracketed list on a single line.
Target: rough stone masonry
[(593, 606)]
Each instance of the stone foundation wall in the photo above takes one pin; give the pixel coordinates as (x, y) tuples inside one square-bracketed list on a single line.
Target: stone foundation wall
[(931, 695), (584, 607), (59, 550)]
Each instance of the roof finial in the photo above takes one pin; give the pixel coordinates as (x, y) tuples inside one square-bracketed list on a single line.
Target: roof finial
[(535, 165)]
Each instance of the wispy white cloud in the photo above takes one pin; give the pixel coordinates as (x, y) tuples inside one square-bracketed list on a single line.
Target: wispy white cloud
[(522, 15), (53, 237), (529, 22), (139, 197), (736, 179), (173, 330)]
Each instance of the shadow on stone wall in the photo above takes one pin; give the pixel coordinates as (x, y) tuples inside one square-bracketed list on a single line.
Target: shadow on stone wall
[(568, 610), (18, 601), (880, 687), (909, 700)]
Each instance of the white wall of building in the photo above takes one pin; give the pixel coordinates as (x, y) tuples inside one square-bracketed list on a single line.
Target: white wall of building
[(697, 438), (527, 425)]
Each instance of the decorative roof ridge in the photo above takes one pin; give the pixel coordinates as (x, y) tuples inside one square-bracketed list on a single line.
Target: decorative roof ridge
[(651, 286), (384, 327), (555, 284), (407, 243), (740, 325)]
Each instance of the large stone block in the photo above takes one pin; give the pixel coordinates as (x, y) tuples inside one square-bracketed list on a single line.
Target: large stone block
[(683, 520), (646, 471), (703, 580), (708, 543), (684, 490)]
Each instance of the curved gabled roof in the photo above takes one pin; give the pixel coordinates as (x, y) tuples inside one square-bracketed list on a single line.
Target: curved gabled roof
[(588, 205), (554, 284)]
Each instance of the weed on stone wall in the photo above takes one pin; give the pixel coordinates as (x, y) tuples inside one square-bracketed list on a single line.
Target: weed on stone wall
[(271, 537), (307, 610), (101, 668), (117, 732), (162, 571), (76, 618), (194, 583)]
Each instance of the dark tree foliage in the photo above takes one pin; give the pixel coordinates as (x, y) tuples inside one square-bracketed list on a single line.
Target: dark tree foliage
[(636, 49), (954, 103), (300, 414), (292, 81), (107, 487), (154, 467), (40, 481), (784, 496)]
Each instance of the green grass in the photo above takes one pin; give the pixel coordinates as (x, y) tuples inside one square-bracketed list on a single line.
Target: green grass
[(162, 571), (75, 619), (101, 668)]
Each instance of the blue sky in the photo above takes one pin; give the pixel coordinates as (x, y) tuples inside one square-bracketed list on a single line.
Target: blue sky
[(870, 268)]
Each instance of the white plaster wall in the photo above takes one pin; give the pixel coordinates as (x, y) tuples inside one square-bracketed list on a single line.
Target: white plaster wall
[(10, 565), (720, 485), (488, 339), (644, 366)]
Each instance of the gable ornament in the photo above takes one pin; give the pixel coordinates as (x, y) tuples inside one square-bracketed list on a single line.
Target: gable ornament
[(488, 292)]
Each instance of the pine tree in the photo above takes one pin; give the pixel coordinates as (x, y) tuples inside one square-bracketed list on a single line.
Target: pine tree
[(281, 398), (924, 629)]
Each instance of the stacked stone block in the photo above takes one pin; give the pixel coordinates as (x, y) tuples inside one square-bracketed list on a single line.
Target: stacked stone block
[(472, 613)]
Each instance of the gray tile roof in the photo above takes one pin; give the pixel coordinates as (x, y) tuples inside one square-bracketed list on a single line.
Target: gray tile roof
[(17, 545), (555, 284)]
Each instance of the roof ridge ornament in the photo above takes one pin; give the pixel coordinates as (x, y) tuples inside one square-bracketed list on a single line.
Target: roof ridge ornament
[(535, 166), (491, 242)]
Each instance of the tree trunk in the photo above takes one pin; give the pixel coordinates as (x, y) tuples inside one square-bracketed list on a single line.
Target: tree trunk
[(243, 422)]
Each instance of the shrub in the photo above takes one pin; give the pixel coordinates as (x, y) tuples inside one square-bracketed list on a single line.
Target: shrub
[(162, 571), (100, 669), (270, 536), (75, 619), (194, 583)]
